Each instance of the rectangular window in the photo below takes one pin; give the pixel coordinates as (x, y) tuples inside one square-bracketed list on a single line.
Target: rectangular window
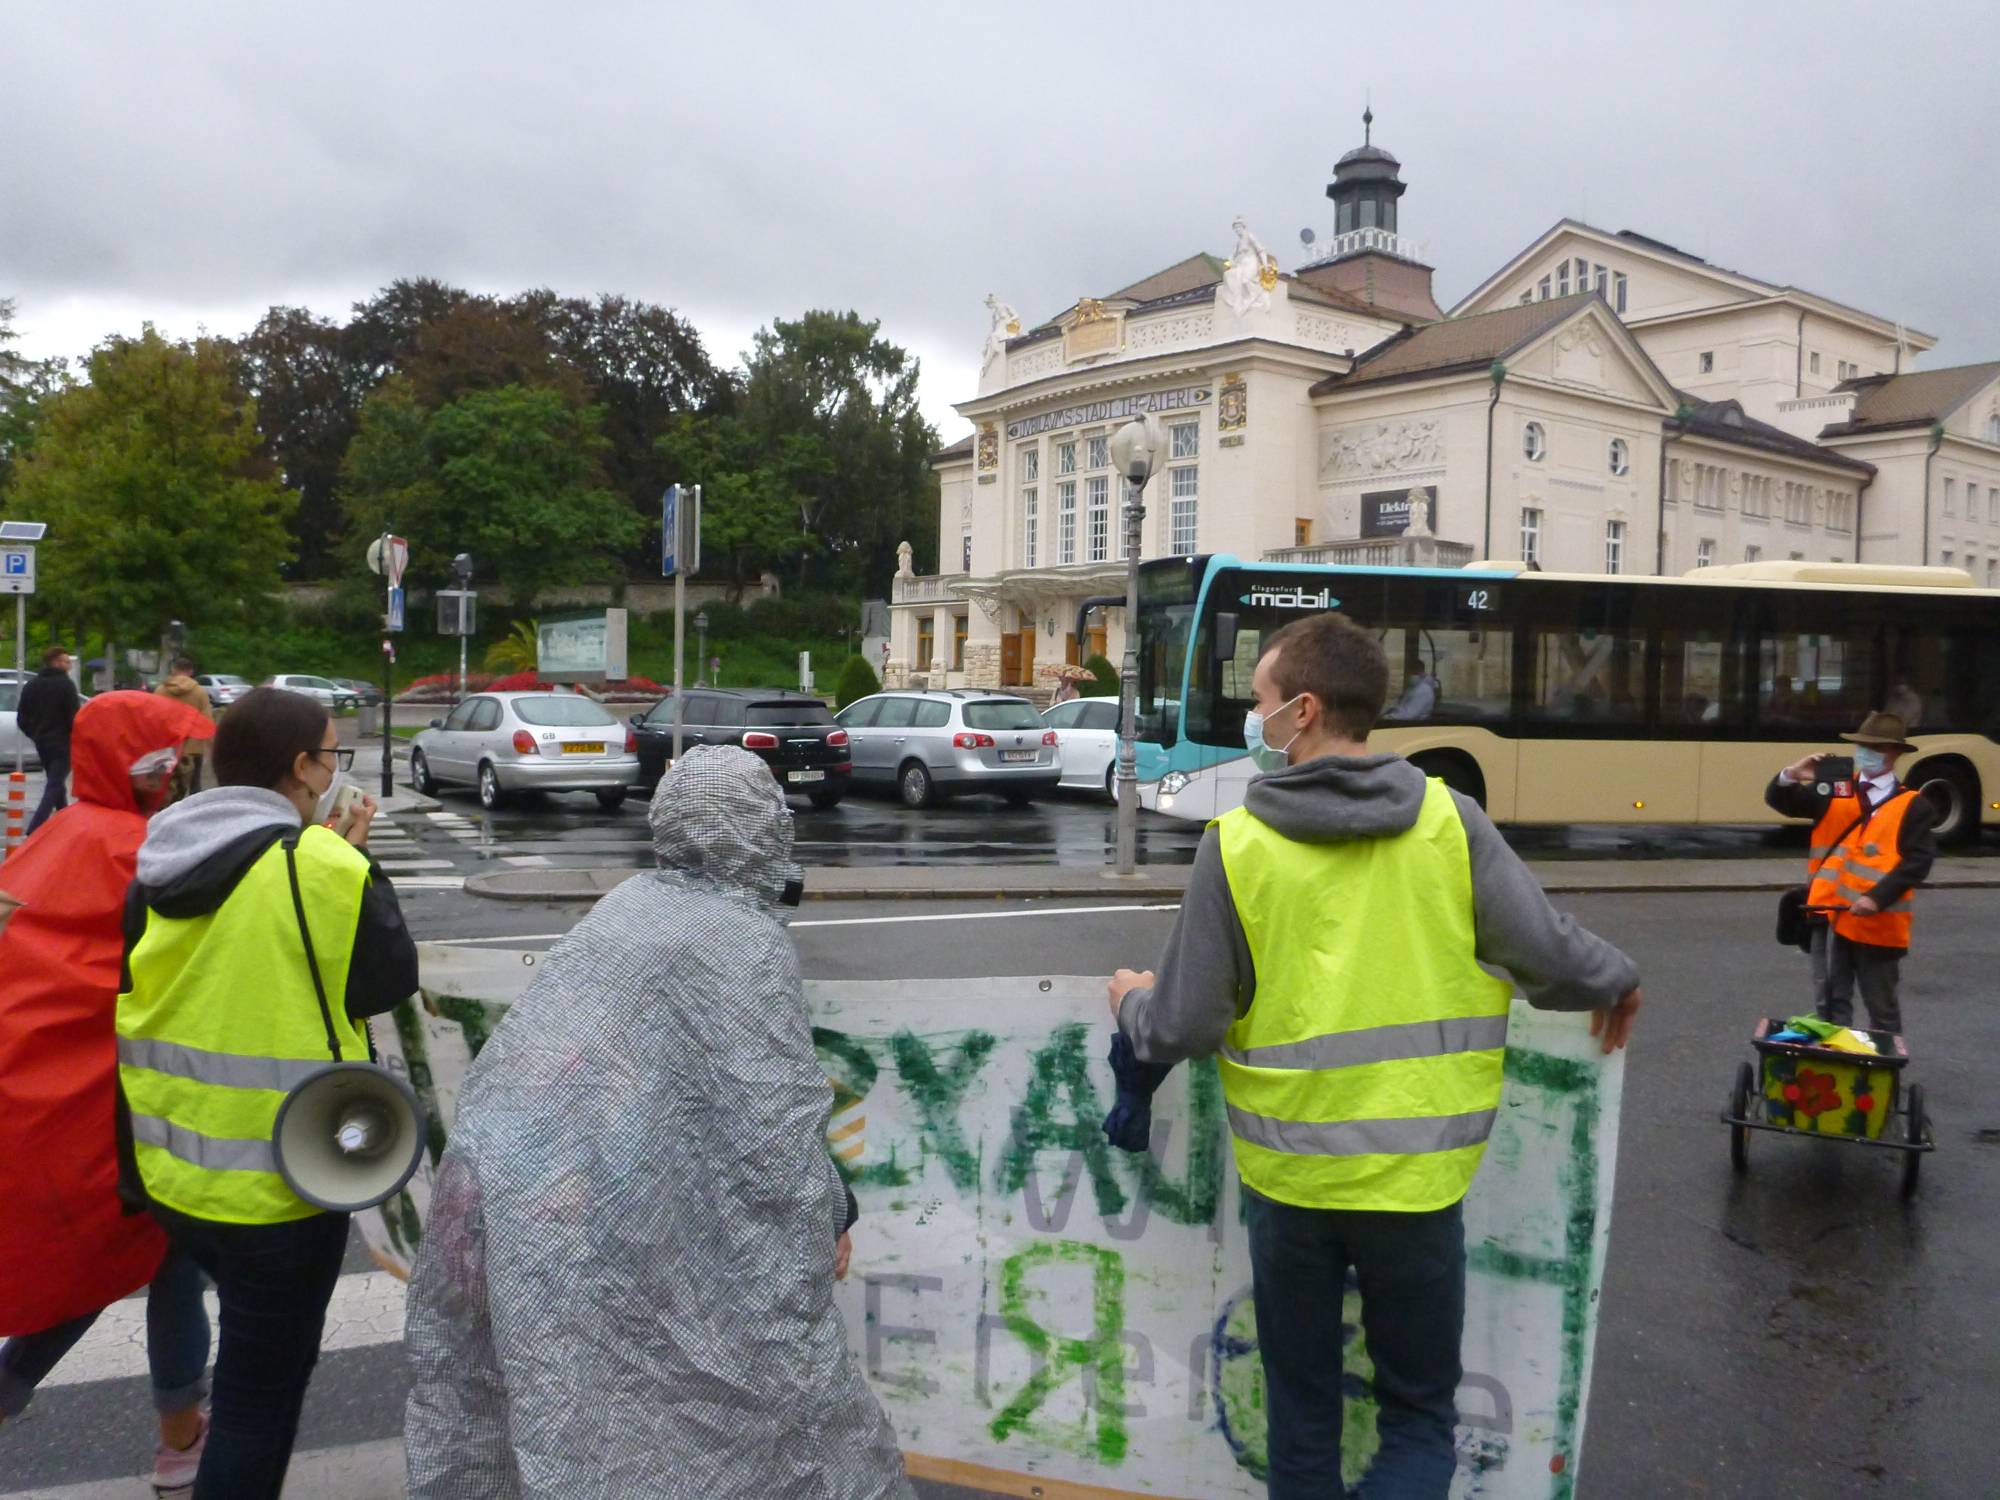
[(1544, 289), (1757, 495), (1531, 534), (1582, 275), (926, 642), (1951, 497), (1562, 279), (1618, 291), (1753, 553), (1992, 573), (1184, 440), (1839, 512), (1946, 556), (1097, 489), (1528, 295), (1603, 282), (958, 627), (1673, 486), (1812, 362), (1031, 464), (1182, 509), (965, 552), (1066, 457), (1704, 553), (1066, 521), (1302, 532), (1030, 525), (1100, 451), (1993, 504), (1705, 362), (1584, 673), (1614, 546)]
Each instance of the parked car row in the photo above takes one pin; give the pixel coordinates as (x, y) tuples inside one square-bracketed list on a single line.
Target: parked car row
[(921, 746)]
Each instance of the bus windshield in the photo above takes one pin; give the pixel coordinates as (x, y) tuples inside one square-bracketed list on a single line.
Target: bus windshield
[(1167, 592)]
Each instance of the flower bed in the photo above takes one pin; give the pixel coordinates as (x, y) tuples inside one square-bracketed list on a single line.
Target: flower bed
[(442, 687)]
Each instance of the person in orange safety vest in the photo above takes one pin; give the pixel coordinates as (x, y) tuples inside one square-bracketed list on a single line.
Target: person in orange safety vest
[(1873, 842)]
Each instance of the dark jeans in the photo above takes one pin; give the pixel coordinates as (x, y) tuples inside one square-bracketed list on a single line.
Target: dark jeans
[(176, 1344), (55, 795), (1412, 1273), (274, 1282), (1838, 966)]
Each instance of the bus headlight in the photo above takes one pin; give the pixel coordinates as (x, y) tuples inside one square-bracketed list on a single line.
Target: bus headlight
[(1174, 782)]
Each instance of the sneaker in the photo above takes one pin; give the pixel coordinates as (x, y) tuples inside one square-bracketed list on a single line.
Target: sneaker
[(174, 1468)]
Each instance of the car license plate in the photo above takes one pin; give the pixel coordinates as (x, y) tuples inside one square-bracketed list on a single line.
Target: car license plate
[(574, 747), (805, 776), (1019, 755)]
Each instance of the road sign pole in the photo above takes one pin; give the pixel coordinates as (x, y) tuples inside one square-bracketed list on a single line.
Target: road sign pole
[(21, 666)]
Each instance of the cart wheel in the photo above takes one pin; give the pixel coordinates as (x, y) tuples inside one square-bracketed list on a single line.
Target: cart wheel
[(1913, 1159), (1739, 1108)]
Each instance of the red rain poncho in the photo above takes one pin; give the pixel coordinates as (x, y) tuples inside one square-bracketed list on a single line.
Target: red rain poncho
[(66, 1245)]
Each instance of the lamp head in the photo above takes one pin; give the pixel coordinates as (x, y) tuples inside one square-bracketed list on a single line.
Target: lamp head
[(1135, 448)]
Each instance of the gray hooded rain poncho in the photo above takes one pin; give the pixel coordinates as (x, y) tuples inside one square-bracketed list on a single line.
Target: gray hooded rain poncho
[(626, 1282)]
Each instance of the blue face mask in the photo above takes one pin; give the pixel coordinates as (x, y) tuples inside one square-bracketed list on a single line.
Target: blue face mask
[(1267, 757), (1869, 762)]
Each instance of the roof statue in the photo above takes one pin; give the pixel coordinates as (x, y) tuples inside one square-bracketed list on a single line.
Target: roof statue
[(1250, 275), (1004, 324)]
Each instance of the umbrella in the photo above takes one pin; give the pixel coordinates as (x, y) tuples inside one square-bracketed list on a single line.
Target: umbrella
[(1065, 672)]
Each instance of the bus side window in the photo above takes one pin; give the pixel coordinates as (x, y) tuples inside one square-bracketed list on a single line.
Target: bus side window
[(1698, 681), (1587, 676), (1240, 668)]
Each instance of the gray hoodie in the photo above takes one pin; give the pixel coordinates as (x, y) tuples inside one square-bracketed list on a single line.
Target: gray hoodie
[(1206, 979)]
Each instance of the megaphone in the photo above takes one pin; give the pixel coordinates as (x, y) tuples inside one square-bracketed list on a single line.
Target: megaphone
[(348, 1136)]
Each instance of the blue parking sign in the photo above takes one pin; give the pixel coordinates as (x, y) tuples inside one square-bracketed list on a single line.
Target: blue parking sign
[(670, 530)]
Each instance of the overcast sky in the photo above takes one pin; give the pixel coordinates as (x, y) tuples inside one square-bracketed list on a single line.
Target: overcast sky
[(192, 164)]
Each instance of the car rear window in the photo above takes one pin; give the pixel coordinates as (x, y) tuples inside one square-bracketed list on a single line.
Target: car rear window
[(561, 712), (10, 695), (773, 715), (1002, 713)]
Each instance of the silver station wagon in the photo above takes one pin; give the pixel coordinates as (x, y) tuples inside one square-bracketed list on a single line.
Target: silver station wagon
[(927, 745), (502, 743)]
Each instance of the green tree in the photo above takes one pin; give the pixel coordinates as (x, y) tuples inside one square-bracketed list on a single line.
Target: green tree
[(26, 386), (510, 475), (159, 500), (864, 482), (301, 371), (753, 493), (857, 680)]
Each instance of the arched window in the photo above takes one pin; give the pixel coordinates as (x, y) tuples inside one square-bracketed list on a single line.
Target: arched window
[(1620, 458), (1534, 442), (1993, 428)]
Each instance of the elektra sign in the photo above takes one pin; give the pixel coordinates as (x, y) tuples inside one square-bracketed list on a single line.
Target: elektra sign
[(1108, 411)]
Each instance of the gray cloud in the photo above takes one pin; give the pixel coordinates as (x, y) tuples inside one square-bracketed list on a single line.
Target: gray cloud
[(905, 160)]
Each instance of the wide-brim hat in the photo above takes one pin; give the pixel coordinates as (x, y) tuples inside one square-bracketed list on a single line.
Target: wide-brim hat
[(1881, 729)]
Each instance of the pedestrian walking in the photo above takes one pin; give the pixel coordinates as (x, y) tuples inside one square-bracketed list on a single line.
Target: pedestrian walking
[(626, 1280), (1873, 842), (67, 1247), (48, 705), (257, 942), (1329, 949), (180, 685)]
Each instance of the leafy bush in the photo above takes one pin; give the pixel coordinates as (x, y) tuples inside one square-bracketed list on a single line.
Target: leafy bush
[(1104, 679), (857, 680)]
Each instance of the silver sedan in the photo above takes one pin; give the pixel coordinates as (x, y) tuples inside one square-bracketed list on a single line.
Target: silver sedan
[(502, 743), (12, 741)]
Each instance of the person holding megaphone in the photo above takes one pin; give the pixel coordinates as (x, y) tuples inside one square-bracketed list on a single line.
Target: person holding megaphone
[(258, 939)]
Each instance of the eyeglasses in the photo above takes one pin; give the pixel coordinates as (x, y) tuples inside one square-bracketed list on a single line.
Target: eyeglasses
[(343, 756)]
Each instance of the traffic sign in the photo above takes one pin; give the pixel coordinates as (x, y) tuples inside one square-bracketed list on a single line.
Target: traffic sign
[(670, 527), (680, 530), (389, 555), (395, 609), (17, 569)]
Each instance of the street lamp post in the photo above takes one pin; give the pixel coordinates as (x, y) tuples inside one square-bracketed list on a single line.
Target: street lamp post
[(1135, 448), (701, 646)]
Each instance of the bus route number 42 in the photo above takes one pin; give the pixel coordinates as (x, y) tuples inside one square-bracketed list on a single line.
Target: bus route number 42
[(1479, 599)]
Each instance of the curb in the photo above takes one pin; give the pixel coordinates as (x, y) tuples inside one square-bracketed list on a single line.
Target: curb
[(589, 885)]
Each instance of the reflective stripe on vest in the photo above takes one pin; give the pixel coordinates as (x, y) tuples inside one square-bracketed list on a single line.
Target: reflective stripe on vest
[(1868, 851), (1366, 1073), (222, 1021)]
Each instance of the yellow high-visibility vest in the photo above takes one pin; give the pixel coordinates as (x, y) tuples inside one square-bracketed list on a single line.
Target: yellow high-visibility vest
[(1366, 1074), (222, 1021)]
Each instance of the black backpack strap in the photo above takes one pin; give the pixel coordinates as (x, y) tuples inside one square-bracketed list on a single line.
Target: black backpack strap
[(305, 936)]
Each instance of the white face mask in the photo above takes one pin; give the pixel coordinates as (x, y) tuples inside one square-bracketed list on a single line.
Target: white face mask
[(323, 808), (1268, 757)]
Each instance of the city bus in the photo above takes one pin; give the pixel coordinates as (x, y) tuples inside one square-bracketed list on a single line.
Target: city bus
[(1576, 698)]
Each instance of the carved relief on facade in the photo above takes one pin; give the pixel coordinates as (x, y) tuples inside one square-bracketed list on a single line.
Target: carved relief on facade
[(1160, 333), (1580, 354), (1043, 359), (1366, 448), (989, 448), (1232, 407), (1331, 333)]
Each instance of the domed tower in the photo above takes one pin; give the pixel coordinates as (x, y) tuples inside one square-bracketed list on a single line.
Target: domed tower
[(1367, 257)]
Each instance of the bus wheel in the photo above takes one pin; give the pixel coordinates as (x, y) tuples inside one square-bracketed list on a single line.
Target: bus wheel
[(1954, 790), (1456, 772)]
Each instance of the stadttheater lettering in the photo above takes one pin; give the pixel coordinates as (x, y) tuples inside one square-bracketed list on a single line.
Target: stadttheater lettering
[(1107, 411)]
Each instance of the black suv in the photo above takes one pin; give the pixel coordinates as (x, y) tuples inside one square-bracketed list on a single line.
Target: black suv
[(794, 733)]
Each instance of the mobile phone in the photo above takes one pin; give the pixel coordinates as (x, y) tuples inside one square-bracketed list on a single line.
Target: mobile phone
[(1832, 768), (346, 803)]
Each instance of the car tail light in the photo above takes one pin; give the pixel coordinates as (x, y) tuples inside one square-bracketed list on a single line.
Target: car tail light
[(1049, 738), (631, 740), (524, 742), (756, 740), (972, 742), (837, 739)]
